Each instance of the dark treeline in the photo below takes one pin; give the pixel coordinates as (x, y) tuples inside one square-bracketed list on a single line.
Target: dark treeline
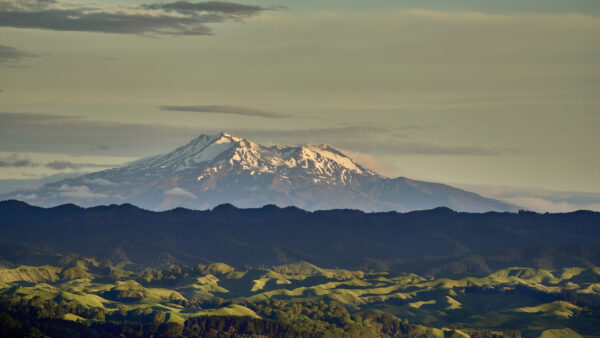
[(438, 241)]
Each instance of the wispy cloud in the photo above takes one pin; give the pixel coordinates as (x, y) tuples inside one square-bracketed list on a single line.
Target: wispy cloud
[(540, 200), (423, 148), (21, 132), (11, 5), (61, 165), (179, 193), (318, 135), (12, 54), (375, 139), (175, 18), (79, 192), (99, 181), (369, 161), (19, 161), (15, 161), (31, 132), (35, 118), (225, 109), (210, 7)]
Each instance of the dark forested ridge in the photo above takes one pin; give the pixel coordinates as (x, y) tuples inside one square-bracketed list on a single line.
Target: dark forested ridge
[(438, 241)]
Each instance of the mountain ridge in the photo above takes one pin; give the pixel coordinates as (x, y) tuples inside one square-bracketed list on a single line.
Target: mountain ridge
[(434, 241), (215, 169)]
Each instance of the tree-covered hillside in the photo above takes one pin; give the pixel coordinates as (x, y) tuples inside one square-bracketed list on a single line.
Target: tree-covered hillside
[(438, 241)]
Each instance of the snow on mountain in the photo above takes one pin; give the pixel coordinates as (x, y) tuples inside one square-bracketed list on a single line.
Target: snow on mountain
[(215, 169)]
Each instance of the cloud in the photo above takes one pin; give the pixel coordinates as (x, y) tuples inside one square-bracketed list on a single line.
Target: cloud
[(12, 54), (22, 197), (11, 5), (79, 192), (210, 6), (61, 165), (77, 136), (540, 200), (99, 181), (369, 138), (35, 118), (176, 18), (370, 162), (423, 148), (235, 110), (74, 135), (318, 135), (15, 161), (539, 204), (179, 193), (20, 132), (117, 23)]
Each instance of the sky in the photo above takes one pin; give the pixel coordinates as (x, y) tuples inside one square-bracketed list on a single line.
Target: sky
[(500, 97)]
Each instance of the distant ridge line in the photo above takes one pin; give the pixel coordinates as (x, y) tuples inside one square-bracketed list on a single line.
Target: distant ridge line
[(15, 202)]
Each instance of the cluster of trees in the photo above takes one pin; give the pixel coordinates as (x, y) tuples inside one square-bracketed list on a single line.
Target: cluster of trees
[(586, 301), (331, 319), (40, 318), (213, 327), (178, 273), (199, 304)]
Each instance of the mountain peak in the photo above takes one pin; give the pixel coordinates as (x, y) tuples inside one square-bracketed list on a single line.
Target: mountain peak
[(221, 168), (226, 152), (224, 137), (221, 137), (324, 152)]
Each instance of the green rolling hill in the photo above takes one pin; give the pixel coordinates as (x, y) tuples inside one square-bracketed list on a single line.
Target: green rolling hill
[(510, 302)]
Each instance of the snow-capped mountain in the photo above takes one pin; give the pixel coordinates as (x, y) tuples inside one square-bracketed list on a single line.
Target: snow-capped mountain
[(217, 169)]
